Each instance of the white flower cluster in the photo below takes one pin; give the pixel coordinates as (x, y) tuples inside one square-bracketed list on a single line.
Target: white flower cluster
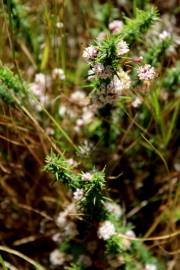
[(114, 209), (86, 148), (136, 102), (150, 267), (146, 72), (78, 194), (58, 258), (106, 230), (66, 225), (164, 35)]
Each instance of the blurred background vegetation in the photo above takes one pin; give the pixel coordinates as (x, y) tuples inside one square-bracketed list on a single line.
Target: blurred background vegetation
[(143, 155)]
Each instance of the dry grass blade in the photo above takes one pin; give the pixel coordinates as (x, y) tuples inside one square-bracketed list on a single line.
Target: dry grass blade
[(36, 265)]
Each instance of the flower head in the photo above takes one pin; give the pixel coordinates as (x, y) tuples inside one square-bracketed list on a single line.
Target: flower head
[(114, 209), (146, 72), (90, 53), (106, 230), (86, 148), (122, 48), (57, 257), (86, 176), (120, 82)]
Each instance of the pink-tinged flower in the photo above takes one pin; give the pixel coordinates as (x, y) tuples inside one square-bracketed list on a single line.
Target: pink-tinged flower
[(137, 59), (146, 72), (90, 53), (116, 26), (86, 176), (98, 69), (122, 48)]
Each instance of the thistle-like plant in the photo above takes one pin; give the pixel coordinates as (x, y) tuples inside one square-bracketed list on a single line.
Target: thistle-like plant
[(100, 212), (88, 194), (135, 28), (62, 170), (110, 73)]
